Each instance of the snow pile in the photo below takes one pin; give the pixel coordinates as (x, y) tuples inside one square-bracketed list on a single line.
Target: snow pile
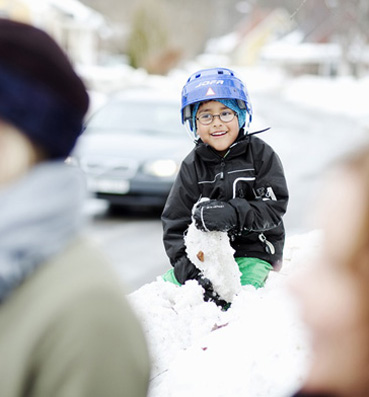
[(258, 347), (217, 265), (257, 350), (173, 318)]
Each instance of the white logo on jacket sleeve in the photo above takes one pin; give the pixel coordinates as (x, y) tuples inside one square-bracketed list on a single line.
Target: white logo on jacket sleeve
[(265, 194)]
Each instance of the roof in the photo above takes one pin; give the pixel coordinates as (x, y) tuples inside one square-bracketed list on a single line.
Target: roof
[(73, 8)]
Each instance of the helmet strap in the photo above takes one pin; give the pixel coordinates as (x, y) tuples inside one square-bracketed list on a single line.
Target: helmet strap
[(192, 134), (246, 126)]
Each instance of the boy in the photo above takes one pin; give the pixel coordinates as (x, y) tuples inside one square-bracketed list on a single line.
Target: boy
[(240, 174)]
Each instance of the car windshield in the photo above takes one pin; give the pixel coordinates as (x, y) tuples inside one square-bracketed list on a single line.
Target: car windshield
[(133, 116)]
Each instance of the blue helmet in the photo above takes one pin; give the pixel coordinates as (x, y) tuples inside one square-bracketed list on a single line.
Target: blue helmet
[(212, 84)]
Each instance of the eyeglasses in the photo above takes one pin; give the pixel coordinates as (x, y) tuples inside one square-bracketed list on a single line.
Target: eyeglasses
[(206, 118)]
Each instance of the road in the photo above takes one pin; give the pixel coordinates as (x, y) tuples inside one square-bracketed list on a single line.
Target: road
[(306, 141)]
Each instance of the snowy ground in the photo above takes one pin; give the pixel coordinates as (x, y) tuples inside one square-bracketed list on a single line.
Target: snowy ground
[(259, 347)]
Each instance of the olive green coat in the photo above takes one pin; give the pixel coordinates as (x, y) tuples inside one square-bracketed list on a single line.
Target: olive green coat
[(69, 332)]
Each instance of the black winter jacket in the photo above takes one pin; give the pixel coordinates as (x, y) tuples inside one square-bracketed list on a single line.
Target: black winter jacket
[(251, 178)]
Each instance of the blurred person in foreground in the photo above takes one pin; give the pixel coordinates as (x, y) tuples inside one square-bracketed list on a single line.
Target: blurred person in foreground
[(334, 293), (66, 328)]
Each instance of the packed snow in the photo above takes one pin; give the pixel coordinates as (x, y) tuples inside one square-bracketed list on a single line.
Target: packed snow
[(258, 347), (217, 265)]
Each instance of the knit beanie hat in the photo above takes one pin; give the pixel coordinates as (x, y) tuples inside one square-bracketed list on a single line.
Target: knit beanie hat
[(40, 93), (230, 103)]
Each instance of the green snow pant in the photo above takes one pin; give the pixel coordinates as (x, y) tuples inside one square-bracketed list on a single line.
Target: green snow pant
[(254, 271)]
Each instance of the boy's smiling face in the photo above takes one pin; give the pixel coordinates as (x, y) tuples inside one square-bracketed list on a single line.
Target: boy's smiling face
[(218, 134)]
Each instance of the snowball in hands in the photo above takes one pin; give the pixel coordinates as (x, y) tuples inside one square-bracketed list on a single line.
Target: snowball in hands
[(212, 254)]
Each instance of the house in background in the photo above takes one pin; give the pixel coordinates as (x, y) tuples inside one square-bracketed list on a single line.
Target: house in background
[(334, 42), (243, 46), (327, 44), (311, 47), (77, 28), (297, 57), (259, 28), (14, 9)]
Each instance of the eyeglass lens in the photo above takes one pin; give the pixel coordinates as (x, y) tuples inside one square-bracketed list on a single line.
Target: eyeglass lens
[(226, 116)]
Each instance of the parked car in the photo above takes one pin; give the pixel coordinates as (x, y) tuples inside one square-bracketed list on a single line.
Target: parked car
[(132, 148)]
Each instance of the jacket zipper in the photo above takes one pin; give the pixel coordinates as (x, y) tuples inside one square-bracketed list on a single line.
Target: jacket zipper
[(222, 165)]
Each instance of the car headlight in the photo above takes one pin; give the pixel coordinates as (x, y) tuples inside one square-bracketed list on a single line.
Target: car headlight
[(70, 160), (161, 168)]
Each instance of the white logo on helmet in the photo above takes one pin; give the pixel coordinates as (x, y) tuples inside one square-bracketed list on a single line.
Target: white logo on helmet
[(210, 82), (210, 91)]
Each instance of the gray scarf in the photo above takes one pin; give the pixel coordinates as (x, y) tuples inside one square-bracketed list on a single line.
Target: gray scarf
[(39, 215)]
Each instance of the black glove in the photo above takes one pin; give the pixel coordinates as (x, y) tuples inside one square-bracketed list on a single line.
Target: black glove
[(210, 294), (185, 270), (215, 215)]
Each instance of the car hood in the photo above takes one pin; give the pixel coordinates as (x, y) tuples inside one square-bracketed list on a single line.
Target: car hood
[(139, 146)]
